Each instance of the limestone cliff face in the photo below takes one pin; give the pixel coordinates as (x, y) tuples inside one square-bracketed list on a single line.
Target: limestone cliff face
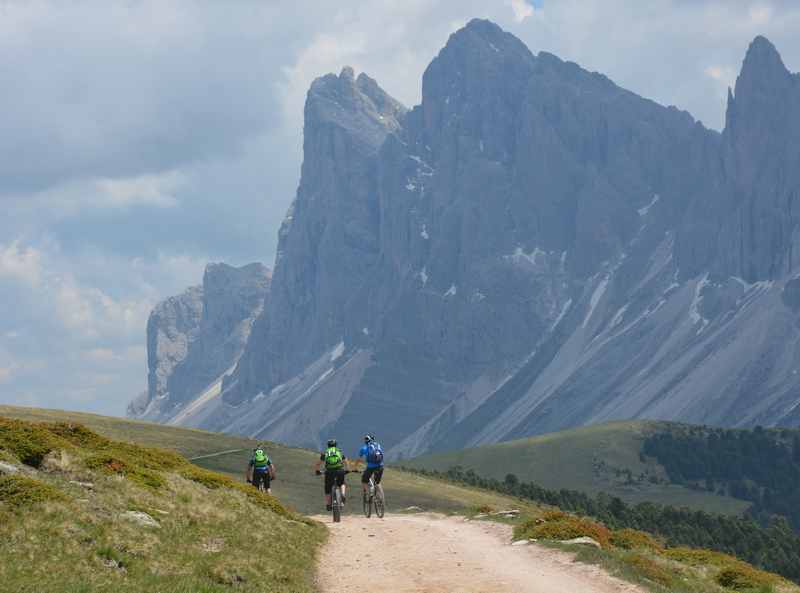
[(194, 338), (329, 239), (530, 248)]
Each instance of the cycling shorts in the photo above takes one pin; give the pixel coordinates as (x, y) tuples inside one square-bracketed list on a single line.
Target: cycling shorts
[(372, 471), (331, 476)]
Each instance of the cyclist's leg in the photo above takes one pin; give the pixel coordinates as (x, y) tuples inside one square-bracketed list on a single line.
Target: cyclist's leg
[(340, 476), (267, 483), (378, 475), (256, 479), (329, 478), (365, 478)]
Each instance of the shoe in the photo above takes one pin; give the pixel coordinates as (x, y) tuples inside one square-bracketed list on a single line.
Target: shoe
[(329, 507)]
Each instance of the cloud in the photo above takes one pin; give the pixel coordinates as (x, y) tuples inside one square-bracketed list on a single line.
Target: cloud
[(725, 75), (5, 374), (760, 14), (522, 9), (23, 264)]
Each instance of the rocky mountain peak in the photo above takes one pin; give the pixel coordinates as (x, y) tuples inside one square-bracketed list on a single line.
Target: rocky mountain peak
[(762, 61), (475, 85), (358, 106), (197, 336), (762, 83)]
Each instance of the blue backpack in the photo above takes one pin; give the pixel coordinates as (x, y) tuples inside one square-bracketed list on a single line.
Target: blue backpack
[(374, 453)]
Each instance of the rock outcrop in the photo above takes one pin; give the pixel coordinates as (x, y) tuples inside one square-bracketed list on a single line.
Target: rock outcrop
[(195, 338), (530, 248)]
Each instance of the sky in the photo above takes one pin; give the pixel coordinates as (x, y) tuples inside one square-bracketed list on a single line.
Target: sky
[(140, 140)]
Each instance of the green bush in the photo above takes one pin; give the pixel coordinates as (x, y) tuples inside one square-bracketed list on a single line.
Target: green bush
[(559, 526), (632, 539), (744, 578), (18, 491), (109, 464), (650, 569), (28, 442)]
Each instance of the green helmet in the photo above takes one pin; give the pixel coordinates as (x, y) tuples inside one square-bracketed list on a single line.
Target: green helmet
[(260, 456)]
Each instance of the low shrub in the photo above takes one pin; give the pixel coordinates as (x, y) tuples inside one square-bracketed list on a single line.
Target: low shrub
[(699, 557), (744, 578), (110, 464), (633, 539), (28, 442), (18, 491), (650, 569), (207, 478), (560, 526)]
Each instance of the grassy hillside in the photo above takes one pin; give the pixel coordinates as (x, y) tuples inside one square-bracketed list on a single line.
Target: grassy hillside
[(602, 458), (297, 487), (80, 512)]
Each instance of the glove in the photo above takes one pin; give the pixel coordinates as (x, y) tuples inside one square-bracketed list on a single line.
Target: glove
[(319, 473)]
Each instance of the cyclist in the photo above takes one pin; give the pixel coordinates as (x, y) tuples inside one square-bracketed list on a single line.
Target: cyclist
[(373, 452), (335, 472), (260, 469)]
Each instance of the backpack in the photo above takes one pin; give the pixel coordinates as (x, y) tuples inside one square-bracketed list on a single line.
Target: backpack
[(374, 453), (334, 459), (260, 459)]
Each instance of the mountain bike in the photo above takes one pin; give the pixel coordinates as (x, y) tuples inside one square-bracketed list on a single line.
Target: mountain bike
[(336, 498), (261, 482), (373, 497)]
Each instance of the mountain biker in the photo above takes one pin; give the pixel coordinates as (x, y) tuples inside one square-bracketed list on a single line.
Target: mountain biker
[(373, 452), (260, 469), (334, 461)]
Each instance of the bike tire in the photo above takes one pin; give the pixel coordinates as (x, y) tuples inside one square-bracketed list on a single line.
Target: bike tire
[(367, 503), (380, 507), (337, 504)]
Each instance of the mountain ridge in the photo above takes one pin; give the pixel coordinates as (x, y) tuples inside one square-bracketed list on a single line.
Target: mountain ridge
[(530, 248)]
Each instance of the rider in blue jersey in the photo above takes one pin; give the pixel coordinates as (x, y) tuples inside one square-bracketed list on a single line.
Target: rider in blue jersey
[(373, 453)]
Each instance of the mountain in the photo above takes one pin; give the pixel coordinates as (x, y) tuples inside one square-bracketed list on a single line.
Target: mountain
[(531, 248), (195, 338)]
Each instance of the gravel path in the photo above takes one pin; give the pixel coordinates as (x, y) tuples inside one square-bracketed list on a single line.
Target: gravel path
[(429, 553)]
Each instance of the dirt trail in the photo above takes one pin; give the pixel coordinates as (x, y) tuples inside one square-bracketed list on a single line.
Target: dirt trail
[(428, 553)]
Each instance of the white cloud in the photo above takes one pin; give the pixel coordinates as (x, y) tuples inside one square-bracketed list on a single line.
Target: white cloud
[(23, 264), (522, 9), (155, 190), (5, 374), (725, 75), (760, 14)]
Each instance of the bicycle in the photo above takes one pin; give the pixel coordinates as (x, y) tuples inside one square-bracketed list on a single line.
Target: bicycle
[(261, 482), (374, 497), (336, 497)]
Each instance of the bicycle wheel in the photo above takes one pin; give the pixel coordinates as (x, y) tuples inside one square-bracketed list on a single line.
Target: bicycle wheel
[(337, 504), (367, 504), (379, 501)]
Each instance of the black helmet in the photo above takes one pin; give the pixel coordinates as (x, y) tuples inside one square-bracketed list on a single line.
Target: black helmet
[(368, 438), (331, 442)]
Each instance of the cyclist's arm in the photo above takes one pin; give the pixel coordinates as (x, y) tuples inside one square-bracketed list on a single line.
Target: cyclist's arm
[(271, 469), (319, 463)]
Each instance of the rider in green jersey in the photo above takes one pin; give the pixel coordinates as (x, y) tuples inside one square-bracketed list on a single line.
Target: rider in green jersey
[(334, 461)]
